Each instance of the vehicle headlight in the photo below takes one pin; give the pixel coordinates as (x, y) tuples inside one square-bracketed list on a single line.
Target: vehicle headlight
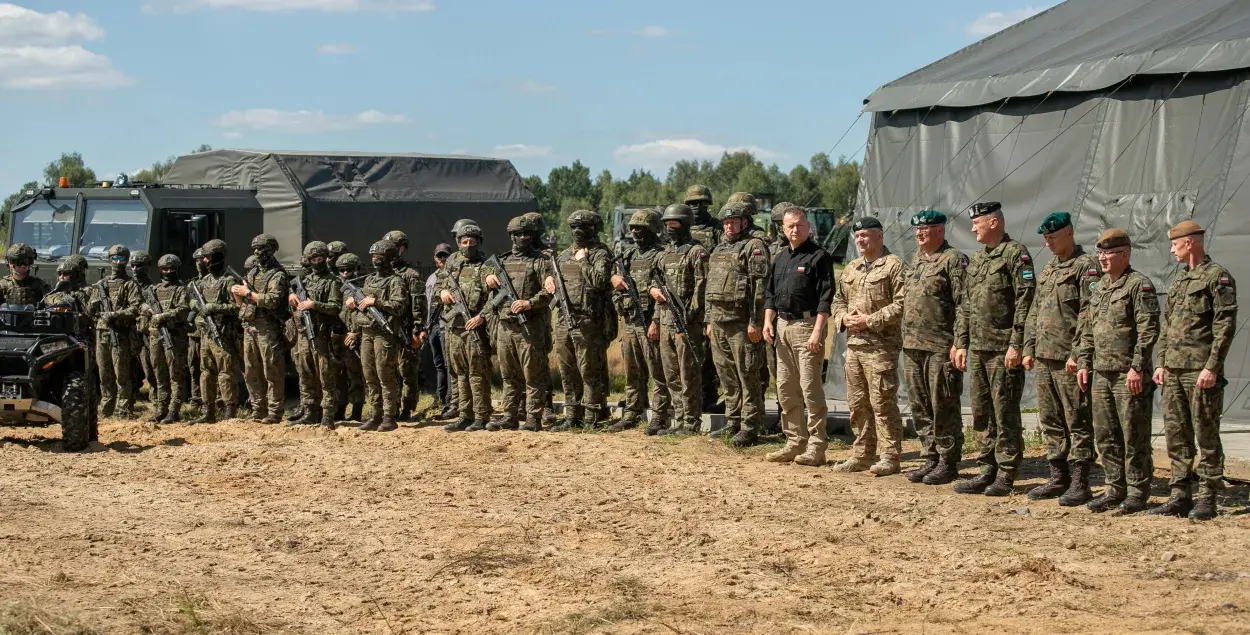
[(52, 347)]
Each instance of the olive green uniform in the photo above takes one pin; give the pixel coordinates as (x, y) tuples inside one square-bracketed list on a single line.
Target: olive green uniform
[(28, 290), (522, 350), (684, 268), (380, 353), (114, 360), (318, 366), (581, 341), (219, 361), (169, 361), (469, 352), (410, 357), (640, 354), (264, 363), (734, 294)]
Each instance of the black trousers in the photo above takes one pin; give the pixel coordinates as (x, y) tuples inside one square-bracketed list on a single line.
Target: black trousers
[(438, 348)]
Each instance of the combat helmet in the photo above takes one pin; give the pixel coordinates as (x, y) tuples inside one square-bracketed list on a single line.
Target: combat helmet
[(347, 262), (21, 254), (698, 194), (735, 209), (266, 241), (648, 219), (746, 198), (679, 212), (140, 259), (316, 248), (584, 216), (385, 248), (469, 228), (398, 237), (169, 261), (119, 250)]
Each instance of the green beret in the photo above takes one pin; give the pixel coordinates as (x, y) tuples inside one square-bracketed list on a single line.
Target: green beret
[(866, 222), (1054, 222), (928, 217), (981, 209)]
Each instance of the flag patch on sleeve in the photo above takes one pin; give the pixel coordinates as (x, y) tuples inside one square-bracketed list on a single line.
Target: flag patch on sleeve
[(1225, 280), (802, 269)]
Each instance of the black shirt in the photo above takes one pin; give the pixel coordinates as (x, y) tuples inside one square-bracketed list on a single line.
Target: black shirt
[(801, 281)]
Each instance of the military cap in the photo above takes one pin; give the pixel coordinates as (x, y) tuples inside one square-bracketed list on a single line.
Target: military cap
[(1054, 222), (1112, 238), (981, 209), (1185, 228), (442, 249), (928, 217), (866, 222)]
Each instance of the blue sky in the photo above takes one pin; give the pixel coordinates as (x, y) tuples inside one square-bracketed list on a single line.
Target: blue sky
[(619, 85)]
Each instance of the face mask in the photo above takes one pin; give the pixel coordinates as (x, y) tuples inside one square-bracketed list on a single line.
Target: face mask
[(678, 234), (172, 276), (469, 252), (381, 265), (321, 267), (582, 235), (200, 267), (642, 237), (216, 263)]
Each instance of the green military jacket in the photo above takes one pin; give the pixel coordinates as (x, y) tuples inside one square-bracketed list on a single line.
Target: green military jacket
[(123, 295), (1063, 292), (526, 272), (684, 268), (1121, 325), (735, 281), (270, 284), (997, 296), (588, 282), (1200, 320), (327, 291), (28, 290), (172, 307), (390, 293), (416, 294), (640, 264), (471, 278), (932, 291), (875, 289)]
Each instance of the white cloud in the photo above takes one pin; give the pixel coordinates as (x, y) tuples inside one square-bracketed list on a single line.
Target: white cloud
[(336, 48), (520, 151), (327, 6), (38, 51), (533, 86), (302, 121), (665, 152), (996, 21), (652, 31), (232, 134)]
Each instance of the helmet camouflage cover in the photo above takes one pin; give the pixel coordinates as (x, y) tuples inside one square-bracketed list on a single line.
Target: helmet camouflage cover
[(469, 229), (140, 258), (316, 248), (337, 248), (399, 238), (21, 252), (119, 250), (347, 261), (584, 216), (734, 210), (214, 246), (267, 241), (698, 194), (385, 248), (648, 219), (522, 224), (746, 198), (169, 261)]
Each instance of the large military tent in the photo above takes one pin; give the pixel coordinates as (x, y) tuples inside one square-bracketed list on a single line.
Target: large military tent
[(1128, 113), (357, 198)]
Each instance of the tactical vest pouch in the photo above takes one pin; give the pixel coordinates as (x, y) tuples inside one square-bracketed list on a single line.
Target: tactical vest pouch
[(725, 283)]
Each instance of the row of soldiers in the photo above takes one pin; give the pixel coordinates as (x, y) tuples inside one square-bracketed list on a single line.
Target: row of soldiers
[(1089, 325)]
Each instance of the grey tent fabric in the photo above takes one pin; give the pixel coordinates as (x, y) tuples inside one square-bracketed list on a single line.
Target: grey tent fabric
[(356, 197), (1141, 156), (1078, 46)]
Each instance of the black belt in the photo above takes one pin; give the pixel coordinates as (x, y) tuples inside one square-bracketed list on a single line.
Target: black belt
[(789, 317)]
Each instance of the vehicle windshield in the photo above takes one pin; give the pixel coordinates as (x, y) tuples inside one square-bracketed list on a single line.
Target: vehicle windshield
[(114, 222), (47, 225)]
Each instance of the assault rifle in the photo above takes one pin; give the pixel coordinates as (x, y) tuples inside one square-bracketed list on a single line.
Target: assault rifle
[(631, 288), (162, 332), (210, 325), (562, 293), (107, 305), (241, 280), (375, 314), (310, 332), (674, 306), (507, 291), (462, 305)]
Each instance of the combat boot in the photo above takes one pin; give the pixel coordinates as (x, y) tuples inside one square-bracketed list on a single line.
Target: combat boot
[(272, 419), (507, 423), (944, 473), (565, 426), (531, 425), (1178, 505), (1058, 483), (629, 419), (786, 454), (229, 412), (160, 413), (477, 426), (813, 457), (1134, 504), (885, 467), (745, 437), (174, 414), (449, 412), (388, 424), (853, 464), (358, 411), (1108, 501), (371, 423), (340, 412), (297, 415), (208, 416), (1204, 508), (405, 414), (1078, 491), (327, 420), (978, 484), (723, 431), (310, 415), (458, 426), (1001, 485), (656, 426), (549, 416), (917, 476)]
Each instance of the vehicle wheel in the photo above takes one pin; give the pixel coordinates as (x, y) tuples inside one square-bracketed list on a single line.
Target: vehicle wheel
[(75, 418)]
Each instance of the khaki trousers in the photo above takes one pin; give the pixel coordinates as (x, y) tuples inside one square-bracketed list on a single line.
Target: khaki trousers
[(799, 385)]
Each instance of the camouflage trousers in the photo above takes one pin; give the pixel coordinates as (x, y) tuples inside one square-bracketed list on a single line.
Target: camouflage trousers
[(679, 357), (116, 373), (1190, 412), (1063, 412), (318, 370), (217, 372), (738, 365), (934, 390), (409, 365), (583, 357), (799, 385), (144, 353), (264, 368), (470, 368), (349, 384), (711, 381), (642, 363), (995, 391), (1122, 431), (193, 368), (872, 398), (169, 369), (379, 359), (523, 365)]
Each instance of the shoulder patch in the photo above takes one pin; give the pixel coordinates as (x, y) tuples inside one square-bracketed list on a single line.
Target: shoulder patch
[(1225, 280), (702, 255), (1093, 284), (963, 262), (1093, 272), (1027, 274), (1025, 257), (1148, 287)]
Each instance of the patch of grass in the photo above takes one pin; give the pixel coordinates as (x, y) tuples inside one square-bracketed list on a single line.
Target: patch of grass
[(27, 619), (582, 622), (784, 567), (482, 560), (196, 614)]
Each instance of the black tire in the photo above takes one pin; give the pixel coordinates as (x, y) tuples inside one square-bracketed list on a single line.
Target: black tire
[(75, 413)]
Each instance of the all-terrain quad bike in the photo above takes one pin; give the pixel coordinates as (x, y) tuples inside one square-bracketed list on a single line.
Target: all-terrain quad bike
[(45, 372)]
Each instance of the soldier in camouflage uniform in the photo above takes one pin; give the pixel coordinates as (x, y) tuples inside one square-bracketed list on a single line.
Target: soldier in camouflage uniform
[(140, 270), (991, 321), (682, 266), (318, 366), (640, 343), (337, 248), (467, 344), (868, 305), (350, 388), (414, 326), (169, 359), (1051, 339), (582, 337), (263, 311), (521, 349), (116, 374), (734, 293), (1197, 334), (193, 335), (219, 361), (1117, 338), (707, 231), (380, 347), (71, 290), (933, 290), (19, 287)]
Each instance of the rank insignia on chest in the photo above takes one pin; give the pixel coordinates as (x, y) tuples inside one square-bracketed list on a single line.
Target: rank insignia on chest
[(802, 269)]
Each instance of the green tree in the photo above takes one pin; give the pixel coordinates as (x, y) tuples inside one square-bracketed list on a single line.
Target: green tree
[(71, 166), (159, 169)]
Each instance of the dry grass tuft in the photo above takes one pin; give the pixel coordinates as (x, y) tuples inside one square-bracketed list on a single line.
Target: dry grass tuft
[(28, 619), (196, 614), (482, 560), (1043, 568)]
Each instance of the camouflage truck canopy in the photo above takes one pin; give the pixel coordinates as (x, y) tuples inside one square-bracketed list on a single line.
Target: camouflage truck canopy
[(356, 198)]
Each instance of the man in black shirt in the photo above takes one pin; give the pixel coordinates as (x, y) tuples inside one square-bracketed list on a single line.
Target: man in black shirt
[(798, 294)]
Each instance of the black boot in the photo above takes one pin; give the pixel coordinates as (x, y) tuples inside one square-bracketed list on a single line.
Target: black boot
[(1178, 505), (327, 420), (340, 413), (1058, 483), (174, 414), (297, 415), (979, 484), (722, 432), (358, 411), (1078, 491), (1108, 501), (628, 420), (917, 476), (477, 426), (656, 426), (566, 425), (308, 415), (1002, 484), (209, 416), (745, 437), (371, 423), (388, 424), (458, 426), (161, 411), (405, 415), (531, 425), (229, 412), (945, 472), (448, 412), (1134, 504), (1204, 508)]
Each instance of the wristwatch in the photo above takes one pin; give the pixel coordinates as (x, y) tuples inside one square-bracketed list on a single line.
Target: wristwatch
[(1135, 367)]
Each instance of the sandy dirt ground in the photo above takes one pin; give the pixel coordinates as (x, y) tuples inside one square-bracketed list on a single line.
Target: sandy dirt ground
[(244, 528)]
